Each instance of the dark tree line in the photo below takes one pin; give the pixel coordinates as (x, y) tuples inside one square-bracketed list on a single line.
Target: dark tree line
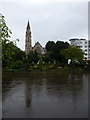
[(54, 50)]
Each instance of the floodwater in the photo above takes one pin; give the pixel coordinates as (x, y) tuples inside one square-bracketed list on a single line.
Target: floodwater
[(50, 94)]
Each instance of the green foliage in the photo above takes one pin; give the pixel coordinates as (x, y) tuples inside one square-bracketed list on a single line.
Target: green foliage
[(4, 30), (33, 57), (59, 46), (46, 58), (40, 63), (73, 53), (12, 56), (49, 45), (4, 34), (53, 50)]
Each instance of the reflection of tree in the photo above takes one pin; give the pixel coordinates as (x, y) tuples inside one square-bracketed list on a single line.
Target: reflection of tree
[(63, 84), (74, 100), (7, 80), (75, 81), (77, 86)]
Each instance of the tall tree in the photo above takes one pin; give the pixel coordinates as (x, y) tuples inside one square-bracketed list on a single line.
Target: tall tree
[(4, 30), (53, 50), (12, 56), (4, 37), (59, 46), (49, 45)]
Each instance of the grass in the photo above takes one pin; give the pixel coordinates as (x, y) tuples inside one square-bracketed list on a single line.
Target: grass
[(45, 67)]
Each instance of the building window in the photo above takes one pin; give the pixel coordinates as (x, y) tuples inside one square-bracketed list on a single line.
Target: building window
[(85, 46), (85, 42), (85, 50)]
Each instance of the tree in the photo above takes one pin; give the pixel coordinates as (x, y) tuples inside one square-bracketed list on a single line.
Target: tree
[(46, 58), (53, 50), (49, 45), (33, 57), (12, 56), (4, 38), (73, 53), (4, 30), (59, 46)]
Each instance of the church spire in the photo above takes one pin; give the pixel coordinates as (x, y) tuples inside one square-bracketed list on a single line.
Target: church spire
[(28, 45), (28, 25)]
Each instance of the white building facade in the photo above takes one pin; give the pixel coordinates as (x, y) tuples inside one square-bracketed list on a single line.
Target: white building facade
[(84, 45)]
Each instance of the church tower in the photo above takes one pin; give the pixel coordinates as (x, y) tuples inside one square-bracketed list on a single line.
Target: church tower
[(28, 44)]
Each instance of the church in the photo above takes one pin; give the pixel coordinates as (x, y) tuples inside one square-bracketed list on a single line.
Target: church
[(28, 43)]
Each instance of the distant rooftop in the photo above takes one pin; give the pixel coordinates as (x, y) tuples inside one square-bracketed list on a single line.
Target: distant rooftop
[(76, 39), (73, 39)]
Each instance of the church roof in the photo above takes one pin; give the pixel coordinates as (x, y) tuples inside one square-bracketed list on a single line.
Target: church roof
[(37, 43)]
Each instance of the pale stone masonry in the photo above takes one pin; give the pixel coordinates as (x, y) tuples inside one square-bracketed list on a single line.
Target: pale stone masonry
[(40, 50), (28, 43)]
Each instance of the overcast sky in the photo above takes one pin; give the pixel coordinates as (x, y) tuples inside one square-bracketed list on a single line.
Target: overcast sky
[(48, 20)]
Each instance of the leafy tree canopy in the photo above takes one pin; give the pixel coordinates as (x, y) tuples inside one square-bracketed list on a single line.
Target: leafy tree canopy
[(53, 50), (73, 53), (4, 30), (33, 57), (11, 54), (49, 45)]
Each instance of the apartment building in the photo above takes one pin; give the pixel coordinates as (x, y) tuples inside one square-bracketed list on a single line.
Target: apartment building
[(84, 45)]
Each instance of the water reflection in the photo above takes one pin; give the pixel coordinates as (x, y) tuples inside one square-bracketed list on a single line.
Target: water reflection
[(45, 94), (28, 93)]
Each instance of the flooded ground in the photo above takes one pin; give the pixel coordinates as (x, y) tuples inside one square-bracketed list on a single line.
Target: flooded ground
[(50, 94)]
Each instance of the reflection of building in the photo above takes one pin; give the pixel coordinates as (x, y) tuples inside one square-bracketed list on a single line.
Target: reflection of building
[(83, 44), (28, 94), (28, 43)]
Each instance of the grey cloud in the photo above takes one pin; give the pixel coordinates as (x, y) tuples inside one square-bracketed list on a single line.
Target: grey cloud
[(49, 21)]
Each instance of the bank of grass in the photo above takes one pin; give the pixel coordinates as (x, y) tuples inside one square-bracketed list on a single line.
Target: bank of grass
[(51, 66)]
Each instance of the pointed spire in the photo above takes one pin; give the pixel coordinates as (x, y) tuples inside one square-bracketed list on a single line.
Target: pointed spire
[(28, 25)]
